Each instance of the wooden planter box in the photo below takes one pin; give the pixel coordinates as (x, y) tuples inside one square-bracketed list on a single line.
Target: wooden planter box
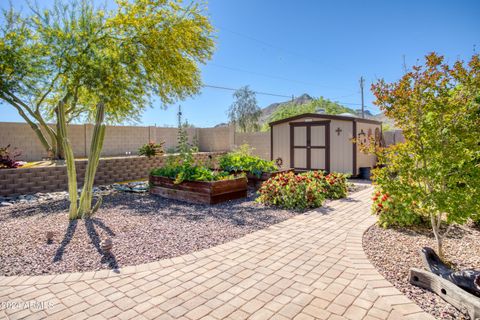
[(256, 182), (209, 192)]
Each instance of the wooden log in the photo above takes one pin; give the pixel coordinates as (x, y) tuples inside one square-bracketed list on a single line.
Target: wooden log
[(468, 280), (447, 290)]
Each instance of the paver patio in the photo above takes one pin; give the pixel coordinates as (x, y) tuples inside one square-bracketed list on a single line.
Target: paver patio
[(309, 267)]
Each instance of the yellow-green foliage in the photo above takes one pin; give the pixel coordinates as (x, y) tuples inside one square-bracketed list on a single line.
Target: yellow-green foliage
[(83, 57), (435, 174)]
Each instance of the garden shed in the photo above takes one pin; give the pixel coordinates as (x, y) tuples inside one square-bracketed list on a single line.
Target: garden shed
[(317, 141)]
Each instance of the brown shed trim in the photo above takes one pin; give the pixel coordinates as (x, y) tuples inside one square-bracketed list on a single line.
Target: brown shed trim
[(271, 143), (324, 116), (354, 150), (309, 123), (325, 123), (292, 149), (327, 142)]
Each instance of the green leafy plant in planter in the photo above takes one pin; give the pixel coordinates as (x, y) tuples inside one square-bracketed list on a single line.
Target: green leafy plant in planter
[(182, 168), (241, 160), (151, 149)]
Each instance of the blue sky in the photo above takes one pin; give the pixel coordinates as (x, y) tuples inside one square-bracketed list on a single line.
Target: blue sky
[(316, 47)]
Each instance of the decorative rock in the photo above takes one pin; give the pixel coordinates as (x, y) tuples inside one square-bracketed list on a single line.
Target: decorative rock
[(39, 197), (106, 245), (49, 236), (138, 187)]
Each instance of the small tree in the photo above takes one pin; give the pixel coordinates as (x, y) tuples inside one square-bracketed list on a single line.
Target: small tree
[(436, 172), (244, 112), (76, 60)]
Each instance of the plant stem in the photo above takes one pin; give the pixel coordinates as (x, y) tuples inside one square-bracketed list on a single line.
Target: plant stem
[(70, 160), (85, 206)]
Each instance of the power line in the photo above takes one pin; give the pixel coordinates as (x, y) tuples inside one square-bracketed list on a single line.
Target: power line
[(261, 74), (274, 46), (256, 92), (268, 93), (273, 76)]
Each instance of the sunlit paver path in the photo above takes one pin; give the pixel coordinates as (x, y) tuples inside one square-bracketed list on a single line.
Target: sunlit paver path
[(309, 267)]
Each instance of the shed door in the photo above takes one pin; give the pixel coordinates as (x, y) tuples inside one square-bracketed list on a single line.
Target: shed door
[(309, 149)]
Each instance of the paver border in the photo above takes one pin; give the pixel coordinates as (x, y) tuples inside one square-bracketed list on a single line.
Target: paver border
[(388, 294)]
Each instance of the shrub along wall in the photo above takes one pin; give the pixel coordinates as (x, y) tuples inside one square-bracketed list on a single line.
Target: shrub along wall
[(49, 179)]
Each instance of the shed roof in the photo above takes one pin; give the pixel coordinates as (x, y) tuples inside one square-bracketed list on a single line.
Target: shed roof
[(325, 116)]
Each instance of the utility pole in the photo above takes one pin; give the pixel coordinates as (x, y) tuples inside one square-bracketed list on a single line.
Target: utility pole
[(361, 90), (179, 116)]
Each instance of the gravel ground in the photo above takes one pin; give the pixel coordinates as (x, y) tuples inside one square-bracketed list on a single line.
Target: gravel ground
[(143, 228), (394, 252)]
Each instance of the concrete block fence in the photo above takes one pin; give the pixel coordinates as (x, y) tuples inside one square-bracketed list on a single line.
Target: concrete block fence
[(119, 140), (19, 181)]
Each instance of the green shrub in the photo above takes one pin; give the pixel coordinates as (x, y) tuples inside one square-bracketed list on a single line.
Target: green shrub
[(242, 160), (337, 187), (302, 191), (151, 149), (290, 191), (395, 210), (184, 170)]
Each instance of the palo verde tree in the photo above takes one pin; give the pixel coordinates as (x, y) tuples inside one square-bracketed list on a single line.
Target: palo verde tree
[(435, 173), (244, 112), (77, 61)]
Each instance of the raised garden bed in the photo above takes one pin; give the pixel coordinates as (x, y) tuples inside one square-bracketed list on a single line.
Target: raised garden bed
[(206, 192)]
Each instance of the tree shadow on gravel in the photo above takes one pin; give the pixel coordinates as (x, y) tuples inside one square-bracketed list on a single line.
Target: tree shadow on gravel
[(102, 225), (241, 212), (107, 257), (72, 226), (456, 231), (42, 209)]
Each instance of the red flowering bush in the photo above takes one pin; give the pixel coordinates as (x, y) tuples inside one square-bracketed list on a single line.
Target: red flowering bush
[(392, 212), (8, 158), (290, 191), (336, 185), (302, 191)]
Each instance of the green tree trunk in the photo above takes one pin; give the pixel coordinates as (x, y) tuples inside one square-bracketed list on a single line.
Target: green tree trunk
[(85, 205), (70, 161)]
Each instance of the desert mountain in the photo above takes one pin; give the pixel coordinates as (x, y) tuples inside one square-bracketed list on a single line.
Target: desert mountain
[(306, 99)]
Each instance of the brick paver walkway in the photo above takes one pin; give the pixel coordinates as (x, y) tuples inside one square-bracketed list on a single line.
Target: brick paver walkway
[(309, 267)]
